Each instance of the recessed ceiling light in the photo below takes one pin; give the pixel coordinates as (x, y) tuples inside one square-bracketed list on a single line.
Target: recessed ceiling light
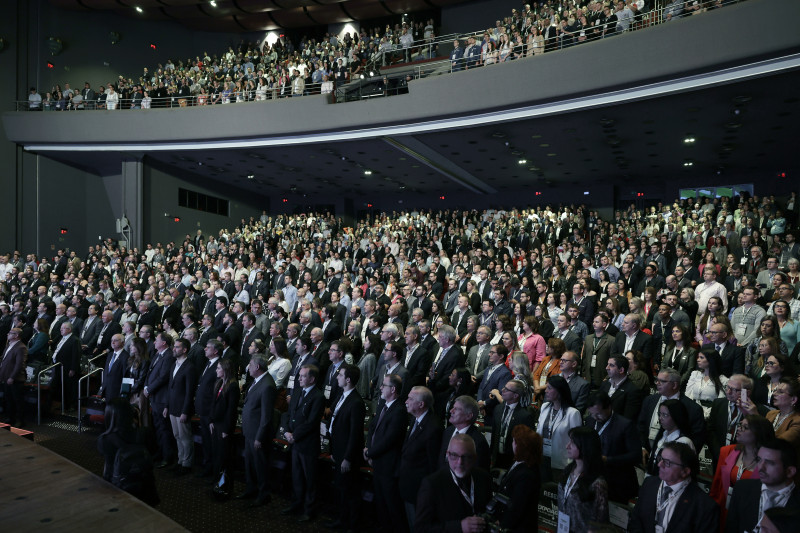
[(213, 3), (368, 173), (688, 163), (250, 176), (689, 140), (138, 9), (522, 161)]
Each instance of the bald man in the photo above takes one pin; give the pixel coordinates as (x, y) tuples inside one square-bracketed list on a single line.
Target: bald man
[(116, 362)]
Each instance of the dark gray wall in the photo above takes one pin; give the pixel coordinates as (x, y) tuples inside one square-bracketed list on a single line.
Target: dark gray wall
[(475, 16), (161, 196), (8, 150)]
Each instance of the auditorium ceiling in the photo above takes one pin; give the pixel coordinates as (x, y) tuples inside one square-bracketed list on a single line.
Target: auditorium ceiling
[(256, 15)]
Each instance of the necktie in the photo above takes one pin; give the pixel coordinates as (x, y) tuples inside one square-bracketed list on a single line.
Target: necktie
[(413, 428), (113, 360), (380, 415), (662, 509), (206, 368)]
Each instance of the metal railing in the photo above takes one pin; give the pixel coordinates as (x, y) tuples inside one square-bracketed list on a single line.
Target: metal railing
[(39, 391), (86, 378)]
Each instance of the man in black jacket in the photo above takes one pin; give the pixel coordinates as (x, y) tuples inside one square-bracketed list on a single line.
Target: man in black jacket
[(204, 399), (182, 384)]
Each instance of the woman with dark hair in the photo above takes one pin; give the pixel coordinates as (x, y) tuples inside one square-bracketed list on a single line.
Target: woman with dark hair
[(785, 418), (37, 345), (223, 421), (138, 368), (522, 482), (119, 432), (502, 324), (739, 461), (373, 347), (531, 342), (776, 367), (460, 381), (674, 419), (768, 327), (679, 353), (546, 327), (280, 368), (557, 417), (549, 366), (707, 383), (583, 495), (553, 308), (715, 309)]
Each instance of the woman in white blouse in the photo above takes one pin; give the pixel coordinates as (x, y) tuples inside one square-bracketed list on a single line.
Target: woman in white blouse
[(279, 365), (557, 417), (707, 383), (675, 426)]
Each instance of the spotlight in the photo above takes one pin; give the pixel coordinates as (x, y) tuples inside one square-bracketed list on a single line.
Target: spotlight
[(213, 3), (689, 140), (371, 74), (522, 161), (368, 173), (138, 9), (688, 163), (250, 176)]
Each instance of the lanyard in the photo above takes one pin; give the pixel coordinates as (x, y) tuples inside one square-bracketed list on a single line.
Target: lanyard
[(469, 497), (600, 431), (569, 485)]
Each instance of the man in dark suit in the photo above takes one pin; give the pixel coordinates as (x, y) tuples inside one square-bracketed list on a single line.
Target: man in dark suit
[(182, 384), (668, 385), (596, 351), (460, 316), (302, 433), (416, 359), (505, 420), (621, 447), (12, 377), (420, 449), (427, 341), (117, 362), (578, 387), (448, 358), (463, 416), (441, 505), (146, 316), (346, 432), (692, 510), (207, 330), (391, 364), (108, 328), (204, 398), (156, 389), (384, 445), (331, 330), (775, 487), (68, 353), (726, 414), (250, 334), (258, 429), (626, 396), (303, 358), (478, 355), (585, 305), (90, 330), (564, 332), (496, 376), (732, 356), (631, 337)]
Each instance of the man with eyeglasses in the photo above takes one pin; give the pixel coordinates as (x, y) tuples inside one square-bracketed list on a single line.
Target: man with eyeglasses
[(728, 412), (578, 387), (453, 499), (383, 446), (777, 467), (668, 385), (731, 355), (786, 293), (391, 358), (506, 419), (494, 376), (463, 416), (673, 501)]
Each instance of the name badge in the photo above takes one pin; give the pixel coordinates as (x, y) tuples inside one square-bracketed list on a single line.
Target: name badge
[(290, 384), (547, 447), (594, 360), (728, 498), (653, 432), (741, 330), (543, 380), (327, 392), (563, 522)]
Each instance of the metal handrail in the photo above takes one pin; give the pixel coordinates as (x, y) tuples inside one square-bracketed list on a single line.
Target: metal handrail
[(98, 369), (39, 391)]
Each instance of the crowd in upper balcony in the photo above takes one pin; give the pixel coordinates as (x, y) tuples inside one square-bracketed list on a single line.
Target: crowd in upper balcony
[(255, 71)]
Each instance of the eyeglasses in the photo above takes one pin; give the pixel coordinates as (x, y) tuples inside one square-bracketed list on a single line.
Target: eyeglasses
[(770, 363), (657, 381), (669, 464), (731, 389), (456, 457)]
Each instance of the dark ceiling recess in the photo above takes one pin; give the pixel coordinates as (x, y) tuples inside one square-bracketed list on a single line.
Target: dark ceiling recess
[(255, 15)]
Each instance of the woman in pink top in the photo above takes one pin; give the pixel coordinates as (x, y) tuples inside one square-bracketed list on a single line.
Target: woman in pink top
[(531, 342)]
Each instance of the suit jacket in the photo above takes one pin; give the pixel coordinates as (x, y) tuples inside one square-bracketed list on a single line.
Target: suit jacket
[(104, 343), (732, 359), (181, 390), (13, 364), (521, 415), (571, 340), (112, 376), (158, 379), (497, 380), (472, 355), (418, 366), (481, 446), (89, 334), (585, 311), (347, 435), (146, 319), (622, 451), (685, 364), (70, 354), (696, 420), (207, 335), (627, 400), (204, 395), (579, 388), (744, 506), (419, 456), (258, 411), (459, 321), (224, 409), (643, 342), (305, 413), (332, 332), (595, 375), (695, 511), (453, 359), (254, 335), (384, 441), (440, 505), (431, 346)]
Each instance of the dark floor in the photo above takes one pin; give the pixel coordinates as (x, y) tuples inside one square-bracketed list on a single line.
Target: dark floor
[(185, 499)]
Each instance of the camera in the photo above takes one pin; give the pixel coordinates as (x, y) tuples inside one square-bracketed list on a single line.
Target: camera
[(494, 511)]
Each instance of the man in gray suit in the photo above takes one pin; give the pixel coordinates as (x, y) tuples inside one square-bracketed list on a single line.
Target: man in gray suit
[(578, 387), (257, 428), (478, 355)]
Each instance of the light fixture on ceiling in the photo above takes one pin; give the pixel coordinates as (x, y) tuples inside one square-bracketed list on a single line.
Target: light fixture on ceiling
[(688, 163), (213, 3), (689, 140), (139, 9), (368, 173), (250, 176), (522, 161)]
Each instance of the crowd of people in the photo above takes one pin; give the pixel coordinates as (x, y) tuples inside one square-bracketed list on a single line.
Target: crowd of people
[(257, 71), (590, 349)]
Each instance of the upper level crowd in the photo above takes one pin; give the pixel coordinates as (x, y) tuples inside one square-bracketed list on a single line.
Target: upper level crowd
[(656, 341), (261, 71)]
